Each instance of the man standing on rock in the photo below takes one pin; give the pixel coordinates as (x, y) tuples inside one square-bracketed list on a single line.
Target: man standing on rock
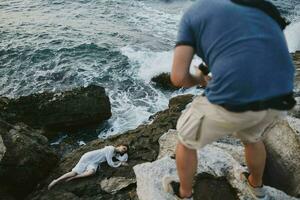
[(244, 47)]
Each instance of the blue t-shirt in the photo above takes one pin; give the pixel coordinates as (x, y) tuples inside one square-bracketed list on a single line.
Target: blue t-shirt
[(245, 50)]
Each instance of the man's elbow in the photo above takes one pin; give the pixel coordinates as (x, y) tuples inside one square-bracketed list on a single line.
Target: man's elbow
[(176, 81)]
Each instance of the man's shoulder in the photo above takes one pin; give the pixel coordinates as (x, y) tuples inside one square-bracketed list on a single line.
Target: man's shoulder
[(205, 9)]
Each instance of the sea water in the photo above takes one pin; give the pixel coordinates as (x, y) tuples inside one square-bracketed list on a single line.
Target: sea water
[(118, 44)]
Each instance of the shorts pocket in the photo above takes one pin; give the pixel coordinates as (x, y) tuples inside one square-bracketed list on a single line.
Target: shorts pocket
[(189, 125)]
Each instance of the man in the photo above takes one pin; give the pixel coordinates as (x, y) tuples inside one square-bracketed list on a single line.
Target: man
[(251, 85)]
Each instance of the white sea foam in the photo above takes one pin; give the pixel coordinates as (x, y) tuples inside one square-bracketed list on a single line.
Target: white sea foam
[(150, 64), (292, 34), (129, 112)]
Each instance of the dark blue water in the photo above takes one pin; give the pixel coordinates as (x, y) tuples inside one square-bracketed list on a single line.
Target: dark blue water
[(119, 44)]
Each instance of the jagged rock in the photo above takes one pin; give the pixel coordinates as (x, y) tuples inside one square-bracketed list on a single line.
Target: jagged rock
[(236, 151), (2, 148), (144, 147), (168, 141), (163, 81), (67, 110), (295, 112), (114, 184), (213, 161), (218, 160), (296, 59), (27, 159), (223, 161), (283, 157), (167, 144)]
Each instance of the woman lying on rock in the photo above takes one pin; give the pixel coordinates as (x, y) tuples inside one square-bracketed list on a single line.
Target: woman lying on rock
[(90, 161)]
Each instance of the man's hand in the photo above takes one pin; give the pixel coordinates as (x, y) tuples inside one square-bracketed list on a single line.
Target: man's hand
[(204, 79)]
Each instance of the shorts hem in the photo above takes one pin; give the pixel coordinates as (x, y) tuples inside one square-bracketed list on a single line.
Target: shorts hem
[(189, 146)]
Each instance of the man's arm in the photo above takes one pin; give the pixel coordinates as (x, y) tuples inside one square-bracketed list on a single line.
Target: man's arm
[(180, 75)]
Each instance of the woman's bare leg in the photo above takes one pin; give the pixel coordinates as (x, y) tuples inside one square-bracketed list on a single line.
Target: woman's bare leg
[(84, 174), (63, 177)]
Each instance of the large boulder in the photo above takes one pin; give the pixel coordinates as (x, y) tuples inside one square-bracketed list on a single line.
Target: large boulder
[(27, 159), (144, 147), (283, 156), (68, 110), (218, 174)]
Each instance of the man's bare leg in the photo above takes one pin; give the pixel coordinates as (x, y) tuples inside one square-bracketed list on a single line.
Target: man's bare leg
[(63, 177), (255, 154), (84, 174), (186, 161)]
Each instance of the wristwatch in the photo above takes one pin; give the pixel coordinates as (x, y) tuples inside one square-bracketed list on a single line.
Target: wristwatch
[(204, 69)]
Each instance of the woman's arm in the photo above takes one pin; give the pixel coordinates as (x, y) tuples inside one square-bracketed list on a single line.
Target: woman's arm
[(109, 158)]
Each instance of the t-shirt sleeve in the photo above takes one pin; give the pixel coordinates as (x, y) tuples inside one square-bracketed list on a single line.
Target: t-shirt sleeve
[(185, 34)]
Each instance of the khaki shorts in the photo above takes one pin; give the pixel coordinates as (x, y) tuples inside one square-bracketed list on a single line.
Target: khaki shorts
[(203, 122)]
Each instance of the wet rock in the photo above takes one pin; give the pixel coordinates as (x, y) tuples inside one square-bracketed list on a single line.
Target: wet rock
[(114, 184), (64, 111), (144, 147), (27, 159), (163, 81), (283, 157)]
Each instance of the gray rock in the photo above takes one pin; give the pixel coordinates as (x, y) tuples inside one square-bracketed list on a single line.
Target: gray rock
[(27, 159), (66, 111), (213, 161), (283, 156), (296, 59), (2, 148), (168, 141), (236, 151), (114, 184), (167, 144)]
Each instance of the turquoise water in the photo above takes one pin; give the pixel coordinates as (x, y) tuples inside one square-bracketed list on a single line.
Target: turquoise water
[(119, 44)]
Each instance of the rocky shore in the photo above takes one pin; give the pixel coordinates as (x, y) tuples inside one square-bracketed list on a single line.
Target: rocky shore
[(61, 111), (28, 163)]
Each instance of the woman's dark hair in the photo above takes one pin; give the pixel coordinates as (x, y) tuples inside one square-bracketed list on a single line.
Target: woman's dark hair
[(125, 145), (118, 153)]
